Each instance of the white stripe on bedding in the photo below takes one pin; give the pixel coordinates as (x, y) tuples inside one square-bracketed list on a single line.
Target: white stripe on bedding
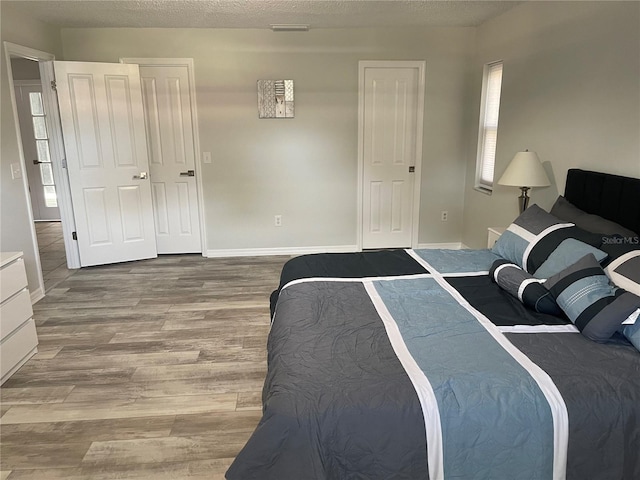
[(356, 279), (465, 274), (548, 388), (428, 402), (539, 329)]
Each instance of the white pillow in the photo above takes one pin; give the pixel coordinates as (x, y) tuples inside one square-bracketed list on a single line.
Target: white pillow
[(624, 272)]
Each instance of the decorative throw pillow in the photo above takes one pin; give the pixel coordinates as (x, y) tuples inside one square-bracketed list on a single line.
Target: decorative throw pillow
[(521, 285), (624, 272), (534, 235), (585, 295), (568, 252)]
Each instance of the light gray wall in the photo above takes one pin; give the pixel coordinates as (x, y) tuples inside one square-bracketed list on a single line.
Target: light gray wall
[(304, 169), (15, 231), (571, 92)]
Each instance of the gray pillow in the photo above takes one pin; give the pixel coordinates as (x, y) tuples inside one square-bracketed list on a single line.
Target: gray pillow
[(595, 306), (567, 253), (567, 211)]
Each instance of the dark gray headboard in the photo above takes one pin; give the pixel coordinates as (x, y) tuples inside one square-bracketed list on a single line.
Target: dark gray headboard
[(613, 197)]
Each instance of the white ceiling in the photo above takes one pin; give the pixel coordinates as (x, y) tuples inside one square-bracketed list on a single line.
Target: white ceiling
[(260, 13)]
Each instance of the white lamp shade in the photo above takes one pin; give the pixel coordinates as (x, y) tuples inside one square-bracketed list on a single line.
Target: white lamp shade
[(525, 170)]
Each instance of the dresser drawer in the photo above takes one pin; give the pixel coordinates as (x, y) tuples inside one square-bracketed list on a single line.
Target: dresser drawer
[(18, 348), (12, 279), (14, 312)]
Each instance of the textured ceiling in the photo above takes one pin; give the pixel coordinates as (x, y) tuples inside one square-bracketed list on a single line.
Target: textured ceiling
[(260, 13)]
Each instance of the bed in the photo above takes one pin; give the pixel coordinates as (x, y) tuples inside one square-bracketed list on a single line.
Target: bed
[(463, 364)]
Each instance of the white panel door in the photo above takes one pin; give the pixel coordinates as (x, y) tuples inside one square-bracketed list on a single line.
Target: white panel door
[(389, 152), (35, 145), (104, 137), (172, 160)]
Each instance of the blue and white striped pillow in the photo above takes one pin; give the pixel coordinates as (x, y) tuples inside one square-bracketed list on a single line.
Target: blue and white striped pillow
[(585, 295), (536, 236)]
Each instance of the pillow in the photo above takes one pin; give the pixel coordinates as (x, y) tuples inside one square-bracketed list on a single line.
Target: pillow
[(521, 285), (534, 235), (568, 212), (568, 252), (624, 272), (632, 330), (615, 247), (585, 295)]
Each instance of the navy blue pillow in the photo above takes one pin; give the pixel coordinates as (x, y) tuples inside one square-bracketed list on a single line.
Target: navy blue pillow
[(523, 286)]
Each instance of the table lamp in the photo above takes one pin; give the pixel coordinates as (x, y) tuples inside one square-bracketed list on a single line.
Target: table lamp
[(525, 171)]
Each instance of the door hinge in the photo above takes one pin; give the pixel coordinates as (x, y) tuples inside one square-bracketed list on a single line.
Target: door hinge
[(64, 163), (412, 169), (74, 235), (54, 86)]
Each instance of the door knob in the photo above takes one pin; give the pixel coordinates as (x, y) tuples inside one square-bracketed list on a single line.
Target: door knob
[(36, 162), (142, 176), (188, 173)]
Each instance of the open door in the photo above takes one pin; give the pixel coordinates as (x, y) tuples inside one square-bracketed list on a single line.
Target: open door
[(107, 161)]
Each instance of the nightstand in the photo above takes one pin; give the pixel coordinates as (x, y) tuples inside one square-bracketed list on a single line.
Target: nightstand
[(493, 234)]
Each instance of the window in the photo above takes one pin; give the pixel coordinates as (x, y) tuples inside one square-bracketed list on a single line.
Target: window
[(42, 147), (488, 132)]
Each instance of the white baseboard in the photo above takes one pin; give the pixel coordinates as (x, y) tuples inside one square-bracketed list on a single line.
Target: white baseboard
[(259, 252), (36, 295), (445, 246)]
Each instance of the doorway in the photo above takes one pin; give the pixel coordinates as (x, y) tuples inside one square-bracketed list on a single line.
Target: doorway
[(46, 175), (390, 119), (34, 137)]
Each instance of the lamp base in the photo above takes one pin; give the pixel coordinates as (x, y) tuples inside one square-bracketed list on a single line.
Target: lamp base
[(523, 199)]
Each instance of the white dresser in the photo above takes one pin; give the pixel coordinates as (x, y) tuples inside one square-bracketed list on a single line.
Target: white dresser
[(18, 339)]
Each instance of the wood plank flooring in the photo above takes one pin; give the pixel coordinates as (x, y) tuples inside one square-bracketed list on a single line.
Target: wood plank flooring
[(53, 258), (146, 370)]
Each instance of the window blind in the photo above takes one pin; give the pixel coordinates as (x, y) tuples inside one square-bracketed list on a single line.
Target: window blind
[(488, 135)]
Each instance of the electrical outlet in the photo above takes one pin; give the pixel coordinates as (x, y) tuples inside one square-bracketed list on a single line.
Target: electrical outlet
[(444, 216), (278, 220)]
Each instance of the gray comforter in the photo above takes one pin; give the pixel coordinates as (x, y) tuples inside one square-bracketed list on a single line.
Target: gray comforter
[(400, 377)]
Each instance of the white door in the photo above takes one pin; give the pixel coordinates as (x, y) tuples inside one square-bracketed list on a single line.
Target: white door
[(105, 143), (172, 159), (35, 145), (390, 123)]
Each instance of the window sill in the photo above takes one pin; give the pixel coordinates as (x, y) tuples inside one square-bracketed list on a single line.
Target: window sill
[(484, 190)]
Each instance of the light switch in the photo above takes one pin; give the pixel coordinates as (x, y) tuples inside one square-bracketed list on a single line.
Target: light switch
[(206, 157), (16, 171)]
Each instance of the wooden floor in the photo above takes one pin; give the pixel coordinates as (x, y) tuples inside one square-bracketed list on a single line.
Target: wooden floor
[(146, 370), (53, 258)]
